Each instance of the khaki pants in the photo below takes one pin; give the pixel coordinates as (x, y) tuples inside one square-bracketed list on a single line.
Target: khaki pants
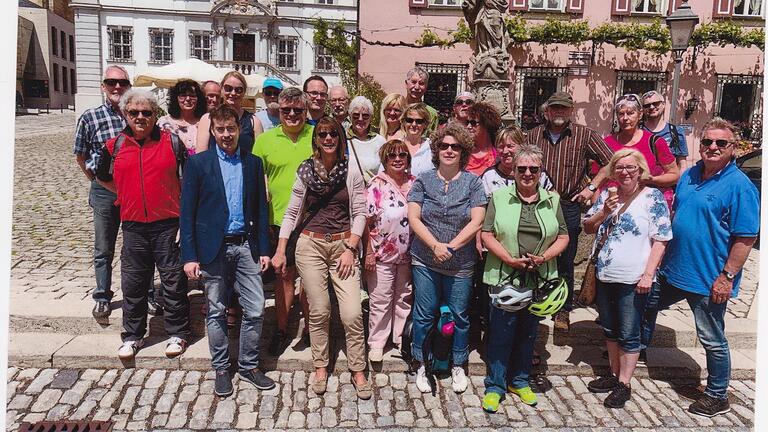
[(316, 259)]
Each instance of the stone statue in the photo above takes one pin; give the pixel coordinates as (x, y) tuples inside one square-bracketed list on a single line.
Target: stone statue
[(486, 17)]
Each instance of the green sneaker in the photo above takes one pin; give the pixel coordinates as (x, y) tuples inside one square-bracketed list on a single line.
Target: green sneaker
[(526, 395), (491, 402)]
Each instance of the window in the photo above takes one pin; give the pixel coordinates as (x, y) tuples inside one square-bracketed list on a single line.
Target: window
[(328, 2), (120, 43), (72, 81), (445, 82), (446, 3), (64, 80), (738, 99), (160, 45), (286, 53), (55, 77), (639, 82), (547, 5), (323, 60), (54, 41), (649, 6), (201, 45), (64, 46), (533, 86), (71, 48), (752, 8)]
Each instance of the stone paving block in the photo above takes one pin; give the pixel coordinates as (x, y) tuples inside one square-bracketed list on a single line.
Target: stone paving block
[(246, 421), (20, 402), (178, 417), (65, 379), (83, 410), (41, 381), (46, 400), (76, 393)]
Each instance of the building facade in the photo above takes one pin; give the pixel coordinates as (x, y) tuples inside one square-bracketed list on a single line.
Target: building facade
[(253, 36), (45, 57), (724, 81)]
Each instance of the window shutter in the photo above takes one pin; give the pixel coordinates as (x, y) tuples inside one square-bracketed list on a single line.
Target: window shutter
[(621, 7), (418, 4), (575, 6), (518, 5), (674, 5), (722, 8)]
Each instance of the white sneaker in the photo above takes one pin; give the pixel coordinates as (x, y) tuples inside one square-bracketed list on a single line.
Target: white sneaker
[(376, 355), (459, 379), (422, 383), (129, 349), (176, 346)]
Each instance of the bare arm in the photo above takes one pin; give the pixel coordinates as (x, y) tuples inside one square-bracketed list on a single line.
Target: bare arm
[(495, 247), (722, 287), (668, 179), (592, 223), (203, 133), (418, 227), (257, 128), (467, 234), (110, 185), (81, 163), (654, 259)]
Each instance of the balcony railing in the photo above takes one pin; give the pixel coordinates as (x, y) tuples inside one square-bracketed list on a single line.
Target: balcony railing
[(247, 68)]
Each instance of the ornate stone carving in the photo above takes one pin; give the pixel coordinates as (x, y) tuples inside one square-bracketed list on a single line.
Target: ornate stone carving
[(245, 7)]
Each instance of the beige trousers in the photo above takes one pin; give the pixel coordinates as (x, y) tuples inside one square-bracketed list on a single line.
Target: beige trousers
[(316, 259)]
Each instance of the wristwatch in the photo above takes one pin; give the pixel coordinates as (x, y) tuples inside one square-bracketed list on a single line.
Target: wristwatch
[(591, 187), (728, 275)]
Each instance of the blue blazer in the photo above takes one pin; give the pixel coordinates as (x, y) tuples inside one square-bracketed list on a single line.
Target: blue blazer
[(204, 210)]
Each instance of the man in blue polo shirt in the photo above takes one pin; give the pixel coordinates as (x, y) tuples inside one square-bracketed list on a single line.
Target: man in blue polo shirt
[(715, 223)]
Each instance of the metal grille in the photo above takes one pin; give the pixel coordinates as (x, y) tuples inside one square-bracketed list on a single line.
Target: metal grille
[(67, 426)]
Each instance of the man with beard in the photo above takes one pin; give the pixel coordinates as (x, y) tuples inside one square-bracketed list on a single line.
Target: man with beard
[(340, 105), (653, 122), (566, 147), (416, 81), (212, 92), (270, 117)]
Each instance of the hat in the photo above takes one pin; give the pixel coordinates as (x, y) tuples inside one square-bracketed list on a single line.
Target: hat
[(561, 98), (272, 82), (465, 94)]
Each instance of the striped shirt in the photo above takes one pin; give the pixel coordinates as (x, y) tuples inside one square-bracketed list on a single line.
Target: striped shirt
[(567, 160), (94, 127)]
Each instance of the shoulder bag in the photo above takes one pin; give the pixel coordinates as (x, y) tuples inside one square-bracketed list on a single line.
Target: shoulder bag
[(290, 248)]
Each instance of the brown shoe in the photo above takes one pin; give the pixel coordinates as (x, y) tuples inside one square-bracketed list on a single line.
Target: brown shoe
[(320, 385), (364, 391), (562, 321)]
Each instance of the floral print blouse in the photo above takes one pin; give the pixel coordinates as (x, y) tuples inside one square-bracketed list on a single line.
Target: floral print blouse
[(187, 133), (389, 232)]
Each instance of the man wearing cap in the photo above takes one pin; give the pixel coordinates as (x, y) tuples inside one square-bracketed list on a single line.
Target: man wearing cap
[(416, 81), (340, 105), (270, 117), (566, 147), (653, 122)]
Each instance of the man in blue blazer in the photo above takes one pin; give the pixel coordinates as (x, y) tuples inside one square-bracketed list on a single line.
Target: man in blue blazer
[(224, 239)]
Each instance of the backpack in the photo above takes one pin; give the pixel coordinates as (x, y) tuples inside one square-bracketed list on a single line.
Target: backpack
[(674, 141), (176, 145), (438, 343)]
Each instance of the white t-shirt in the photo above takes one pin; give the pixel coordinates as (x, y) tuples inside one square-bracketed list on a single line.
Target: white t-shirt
[(421, 162), (368, 154), (494, 180), (625, 254)]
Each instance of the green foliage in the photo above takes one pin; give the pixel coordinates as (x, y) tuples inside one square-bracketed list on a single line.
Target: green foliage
[(727, 32), (554, 31), (517, 29), (652, 37)]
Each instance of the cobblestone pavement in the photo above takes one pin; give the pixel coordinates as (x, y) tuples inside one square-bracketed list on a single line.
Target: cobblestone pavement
[(144, 399)]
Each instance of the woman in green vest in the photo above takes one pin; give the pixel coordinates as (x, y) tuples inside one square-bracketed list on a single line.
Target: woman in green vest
[(524, 231)]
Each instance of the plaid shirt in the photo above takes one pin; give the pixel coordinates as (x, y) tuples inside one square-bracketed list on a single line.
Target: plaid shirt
[(94, 128)]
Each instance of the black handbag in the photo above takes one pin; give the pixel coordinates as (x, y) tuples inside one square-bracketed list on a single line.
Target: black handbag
[(290, 248)]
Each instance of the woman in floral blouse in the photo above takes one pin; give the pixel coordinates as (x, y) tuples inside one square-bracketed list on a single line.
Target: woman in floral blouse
[(387, 262), (186, 104)]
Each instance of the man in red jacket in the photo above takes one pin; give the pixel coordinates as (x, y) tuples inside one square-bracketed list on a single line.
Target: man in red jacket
[(142, 166)]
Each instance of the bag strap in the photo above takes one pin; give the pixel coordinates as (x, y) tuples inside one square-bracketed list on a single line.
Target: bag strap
[(116, 148), (675, 136), (315, 208), (177, 147), (357, 159), (607, 232)]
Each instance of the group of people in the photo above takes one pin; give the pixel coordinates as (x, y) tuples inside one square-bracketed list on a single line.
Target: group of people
[(435, 222)]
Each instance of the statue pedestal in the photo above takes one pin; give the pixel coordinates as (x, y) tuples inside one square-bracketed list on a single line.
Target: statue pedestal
[(496, 93)]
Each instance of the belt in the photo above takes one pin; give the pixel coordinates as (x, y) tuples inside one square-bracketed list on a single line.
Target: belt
[(327, 237), (235, 239)]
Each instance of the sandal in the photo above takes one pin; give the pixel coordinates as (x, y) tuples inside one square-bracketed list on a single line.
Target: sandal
[(364, 391), (320, 385)]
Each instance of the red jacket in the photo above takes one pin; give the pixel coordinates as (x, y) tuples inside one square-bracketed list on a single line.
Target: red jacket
[(146, 177)]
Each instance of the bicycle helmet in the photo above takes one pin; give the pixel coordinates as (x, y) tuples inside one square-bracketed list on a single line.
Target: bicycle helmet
[(510, 298), (550, 298)]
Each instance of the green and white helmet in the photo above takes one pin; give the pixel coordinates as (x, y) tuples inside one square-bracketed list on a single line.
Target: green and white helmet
[(510, 298), (551, 298)]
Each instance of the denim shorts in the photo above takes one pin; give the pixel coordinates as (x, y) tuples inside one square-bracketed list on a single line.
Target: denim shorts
[(621, 310)]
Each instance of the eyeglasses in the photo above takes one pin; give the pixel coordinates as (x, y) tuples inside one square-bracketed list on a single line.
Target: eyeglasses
[(523, 169), (361, 116), (652, 104), (291, 110), (473, 123), (446, 146), (111, 82), (627, 168), (324, 134), (315, 94), (145, 113), (186, 96), (401, 155), (413, 120), (272, 93), (721, 143), (229, 89), (630, 97), (467, 102)]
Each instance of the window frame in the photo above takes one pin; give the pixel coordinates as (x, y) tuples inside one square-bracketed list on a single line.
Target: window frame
[(760, 14), (211, 44), (333, 66), (54, 41), (662, 8), (124, 32), (162, 32), (547, 9), (72, 48), (294, 41), (56, 86), (443, 4), (63, 42)]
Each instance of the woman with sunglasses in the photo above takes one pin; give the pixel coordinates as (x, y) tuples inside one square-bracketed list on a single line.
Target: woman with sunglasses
[(387, 263), (483, 121), (328, 205), (524, 230), (186, 104), (446, 206), (364, 143), (233, 87), (664, 171), (414, 121), (633, 227), (502, 174), (392, 107)]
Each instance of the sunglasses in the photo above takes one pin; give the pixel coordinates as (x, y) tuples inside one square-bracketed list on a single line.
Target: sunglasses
[(229, 89), (145, 113), (291, 110), (473, 123), (324, 134), (410, 120), (628, 168), (524, 169), (446, 146), (273, 93), (706, 142), (652, 104), (186, 96), (631, 97), (402, 155), (467, 102), (111, 82), (361, 116)]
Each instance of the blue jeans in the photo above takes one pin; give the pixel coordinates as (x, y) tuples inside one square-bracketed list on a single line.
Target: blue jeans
[(106, 224), (709, 318), (651, 312), (432, 289), (511, 336), (572, 216), (234, 268), (621, 309)]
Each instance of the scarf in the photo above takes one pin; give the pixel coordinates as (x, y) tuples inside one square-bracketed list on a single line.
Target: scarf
[(317, 179)]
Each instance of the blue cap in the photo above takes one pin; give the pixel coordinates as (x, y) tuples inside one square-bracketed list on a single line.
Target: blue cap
[(272, 82)]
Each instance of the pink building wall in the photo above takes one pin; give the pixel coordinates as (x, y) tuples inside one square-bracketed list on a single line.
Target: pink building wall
[(594, 94)]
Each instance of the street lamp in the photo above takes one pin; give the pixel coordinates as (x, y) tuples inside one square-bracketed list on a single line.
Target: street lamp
[(681, 23)]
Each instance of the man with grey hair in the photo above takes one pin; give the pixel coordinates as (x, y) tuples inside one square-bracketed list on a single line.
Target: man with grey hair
[(653, 122), (94, 127), (340, 105), (282, 149), (416, 81), (142, 166), (461, 106)]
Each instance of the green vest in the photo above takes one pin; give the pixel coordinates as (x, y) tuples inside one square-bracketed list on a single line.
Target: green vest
[(508, 208)]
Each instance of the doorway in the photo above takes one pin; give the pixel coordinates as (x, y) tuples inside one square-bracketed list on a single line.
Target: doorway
[(244, 47)]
